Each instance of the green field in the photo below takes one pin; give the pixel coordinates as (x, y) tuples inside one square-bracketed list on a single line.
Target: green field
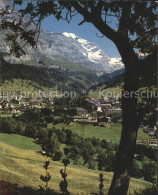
[(19, 85), (6, 115), (22, 164), (115, 91), (111, 132), (19, 141)]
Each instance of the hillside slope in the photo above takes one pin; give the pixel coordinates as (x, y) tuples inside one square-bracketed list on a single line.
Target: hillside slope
[(52, 78), (111, 87), (22, 164)]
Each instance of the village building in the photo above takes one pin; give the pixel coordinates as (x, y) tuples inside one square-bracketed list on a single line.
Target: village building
[(151, 131), (115, 111), (25, 104), (117, 105), (10, 111), (153, 142), (102, 109), (36, 106), (92, 101)]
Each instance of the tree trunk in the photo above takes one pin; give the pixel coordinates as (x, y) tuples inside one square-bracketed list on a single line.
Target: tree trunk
[(121, 177)]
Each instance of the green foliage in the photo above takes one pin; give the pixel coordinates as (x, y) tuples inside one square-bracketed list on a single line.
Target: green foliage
[(64, 184), (147, 151), (57, 156), (75, 154), (14, 71), (40, 78), (68, 105), (31, 115), (148, 191), (92, 164), (93, 152), (25, 149), (52, 144), (42, 135), (106, 161), (31, 130), (101, 185), (7, 125), (140, 157), (103, 144), (39, 116), (47, 177), (58, 119), (149, 171), (135, 170), (88, 156)]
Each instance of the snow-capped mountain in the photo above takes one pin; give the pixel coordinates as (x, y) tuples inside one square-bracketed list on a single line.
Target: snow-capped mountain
[(77, 50), (90, 50), (95, 54), (66, 46)]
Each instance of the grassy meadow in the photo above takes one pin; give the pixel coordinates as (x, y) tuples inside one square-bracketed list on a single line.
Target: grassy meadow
[(115, 91), (17, 86), (110, 132), (22, 164)]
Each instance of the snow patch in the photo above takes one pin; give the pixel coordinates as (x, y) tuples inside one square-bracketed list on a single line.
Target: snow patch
[(116, 61), (69, 35), (95, 56), (82, 41)]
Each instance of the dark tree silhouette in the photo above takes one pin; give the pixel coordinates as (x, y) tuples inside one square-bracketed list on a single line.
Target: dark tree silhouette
[(47, 177), (101, 185), (64, 184), (135, 32)]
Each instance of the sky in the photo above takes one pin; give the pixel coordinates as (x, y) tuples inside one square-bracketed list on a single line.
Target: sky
[(86, 31)]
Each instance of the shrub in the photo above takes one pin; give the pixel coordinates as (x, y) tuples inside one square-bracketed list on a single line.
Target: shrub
[(91, 164), (147, 151), (58, 120), (7, 126), (52, 144), (57, 156), (31, 130), (42, 135), (49, 119), (95, 142), (135, 170), (103, 144), (147, 191), (149, 171), (106, 161)]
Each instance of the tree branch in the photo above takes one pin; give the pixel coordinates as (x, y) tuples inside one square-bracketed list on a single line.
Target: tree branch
[(96, 20), (99, 6), (124, 19)]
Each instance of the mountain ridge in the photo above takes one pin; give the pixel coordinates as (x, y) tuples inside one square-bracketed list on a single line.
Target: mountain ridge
[(63, 45)]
